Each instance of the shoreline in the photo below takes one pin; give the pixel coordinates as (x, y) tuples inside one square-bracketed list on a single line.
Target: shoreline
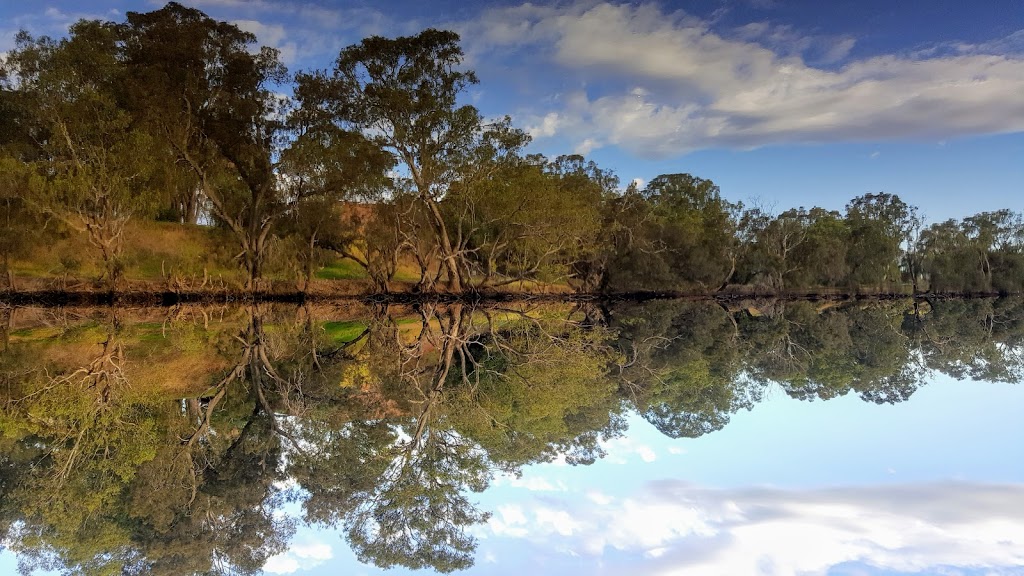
[(58, 298)]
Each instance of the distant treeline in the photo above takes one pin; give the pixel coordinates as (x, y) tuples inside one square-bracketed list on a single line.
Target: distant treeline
[(173, 116)]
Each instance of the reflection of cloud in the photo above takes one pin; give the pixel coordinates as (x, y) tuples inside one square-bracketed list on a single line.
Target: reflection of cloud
[(685, 86), (536, 484), (509, 521), (531, 481), (621, 450), (672, 527), (301, 556)]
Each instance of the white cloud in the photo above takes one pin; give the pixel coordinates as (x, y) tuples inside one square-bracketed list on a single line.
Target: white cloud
[(281, 564), (675, 528), (272, 35), (621, 450), (300, 556), (556, 521), (688, 86), (269, 34), (548, 126), (509, 521)]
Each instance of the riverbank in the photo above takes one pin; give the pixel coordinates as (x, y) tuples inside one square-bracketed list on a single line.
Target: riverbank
[(234, 296)]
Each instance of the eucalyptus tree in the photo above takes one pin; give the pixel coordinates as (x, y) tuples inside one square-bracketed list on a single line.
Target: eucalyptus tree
[(981, 253), (881, 233), (403, 94), (691, 235), (997, 242), (91, 161), (772, 254), (323, 171), (824, 249), (20, 222), (525, 218), (946, 248), (208, 93)]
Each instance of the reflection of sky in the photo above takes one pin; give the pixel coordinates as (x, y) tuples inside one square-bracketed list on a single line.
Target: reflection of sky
[(931, 486)]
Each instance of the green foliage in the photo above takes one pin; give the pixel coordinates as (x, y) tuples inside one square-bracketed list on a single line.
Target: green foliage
[(981, 253), (93, 160), (687, 237), (880, 225)]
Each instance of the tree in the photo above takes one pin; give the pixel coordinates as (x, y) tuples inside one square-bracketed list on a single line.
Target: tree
[(945, 248), (881, 227), (775, 244), (991, 235), (691, 233), (93, 160), (322, 170), (518, 219), (208, 95), (403, 94)]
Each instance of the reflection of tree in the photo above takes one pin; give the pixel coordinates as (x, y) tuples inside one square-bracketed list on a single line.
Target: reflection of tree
[(828, 353), (536, 387), (167, 443), (979, 339), (87, 431), (415, 513), (400, 488), (682, 366), (111, 489)]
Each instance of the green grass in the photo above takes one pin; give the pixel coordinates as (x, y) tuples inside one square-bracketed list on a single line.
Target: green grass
[(342, 332), (343, 269)]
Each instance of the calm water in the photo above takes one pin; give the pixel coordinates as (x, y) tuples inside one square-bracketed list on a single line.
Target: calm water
[(656, 438)]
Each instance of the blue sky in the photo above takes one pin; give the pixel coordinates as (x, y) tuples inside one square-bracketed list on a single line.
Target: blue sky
[(782, 103)]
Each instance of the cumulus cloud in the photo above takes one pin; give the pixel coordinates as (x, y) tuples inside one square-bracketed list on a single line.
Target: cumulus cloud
[(689, 86), (509, 521), (672, 527), (300, 556), (624, 449)]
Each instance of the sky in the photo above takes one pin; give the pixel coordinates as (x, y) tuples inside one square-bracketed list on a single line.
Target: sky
[(782, 103)]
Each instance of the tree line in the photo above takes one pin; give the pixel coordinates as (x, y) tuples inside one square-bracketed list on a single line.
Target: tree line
[(173, 116), (166, 441)]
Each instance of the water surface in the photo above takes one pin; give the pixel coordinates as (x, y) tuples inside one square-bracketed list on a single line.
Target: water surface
[(664, 437)]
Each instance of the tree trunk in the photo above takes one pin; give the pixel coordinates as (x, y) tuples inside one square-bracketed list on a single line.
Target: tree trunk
[(449, 260)]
